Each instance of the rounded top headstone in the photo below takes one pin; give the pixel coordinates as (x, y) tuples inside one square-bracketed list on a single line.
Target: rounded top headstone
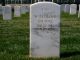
[(45, 2)]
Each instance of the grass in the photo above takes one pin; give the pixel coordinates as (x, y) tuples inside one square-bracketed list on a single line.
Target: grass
[(14, 38), (70, 36)]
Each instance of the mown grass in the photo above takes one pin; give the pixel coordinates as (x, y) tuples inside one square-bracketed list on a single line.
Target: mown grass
[(14, 38), (70, 36)]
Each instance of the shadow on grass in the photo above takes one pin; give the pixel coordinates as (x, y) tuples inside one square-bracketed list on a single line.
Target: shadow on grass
[(68, 54)]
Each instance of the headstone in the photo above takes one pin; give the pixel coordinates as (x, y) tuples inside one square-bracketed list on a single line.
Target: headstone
[(62, 7), (67, 8), (23, 9), (44, 29), (0, 10), (73, 9), (79, 11), (7, 12), (27, 9), (17, 11)]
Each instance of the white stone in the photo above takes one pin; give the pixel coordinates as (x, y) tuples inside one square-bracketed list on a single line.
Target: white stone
[(0, 10), (17, 11), (27, 9), (67, 8), (63, 7), (73, 9), (7, 12), (44, 29), (79, 11), (23, 9)]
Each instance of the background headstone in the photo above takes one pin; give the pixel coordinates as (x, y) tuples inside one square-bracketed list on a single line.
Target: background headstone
[(17, 11), (73, 9), (63, 7), (7, 12), (23, 9), (79, 11), (45, 29), (0, 10), (27, 9), (67, 8)]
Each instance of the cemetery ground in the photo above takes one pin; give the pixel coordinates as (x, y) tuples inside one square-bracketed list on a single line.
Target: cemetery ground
[(14, 38)]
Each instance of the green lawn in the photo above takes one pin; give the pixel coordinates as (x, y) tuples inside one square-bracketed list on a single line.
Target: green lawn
[(14, 38), (70, 37)]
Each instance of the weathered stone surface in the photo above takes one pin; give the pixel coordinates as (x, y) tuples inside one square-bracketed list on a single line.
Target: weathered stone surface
[(44, 29)]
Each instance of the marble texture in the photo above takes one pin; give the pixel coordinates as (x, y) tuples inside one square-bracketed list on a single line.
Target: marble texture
[(17, 11), (45, 29), (73, 9), (7, 12)]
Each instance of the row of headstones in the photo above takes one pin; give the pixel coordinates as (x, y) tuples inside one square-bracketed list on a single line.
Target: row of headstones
[(6, 11), (71, 9)]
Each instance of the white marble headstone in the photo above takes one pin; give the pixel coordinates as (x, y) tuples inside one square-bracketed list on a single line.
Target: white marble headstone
[(17, 11), (73, 9), (63, 7), (7, 12), (79, 11), (23, 9), (44, 29), (27, 9), (67, 8), (0, 10)]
